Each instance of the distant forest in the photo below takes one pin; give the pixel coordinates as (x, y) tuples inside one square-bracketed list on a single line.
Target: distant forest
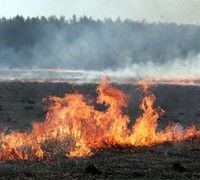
[(85, 43)]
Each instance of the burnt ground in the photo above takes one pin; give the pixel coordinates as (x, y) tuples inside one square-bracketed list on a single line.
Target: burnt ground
[(21, 104)]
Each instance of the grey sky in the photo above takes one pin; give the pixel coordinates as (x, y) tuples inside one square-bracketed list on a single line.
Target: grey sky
[(178, 11)]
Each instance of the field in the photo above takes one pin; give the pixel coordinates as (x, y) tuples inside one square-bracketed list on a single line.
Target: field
[(21, 105)]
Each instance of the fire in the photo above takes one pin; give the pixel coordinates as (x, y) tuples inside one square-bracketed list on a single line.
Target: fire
[(75, 128), (183, 82)]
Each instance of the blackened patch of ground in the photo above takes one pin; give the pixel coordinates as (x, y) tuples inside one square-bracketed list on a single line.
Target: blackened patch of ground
[(156, 162), (181, 104)]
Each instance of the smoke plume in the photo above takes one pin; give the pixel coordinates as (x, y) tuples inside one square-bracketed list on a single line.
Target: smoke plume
[(123, 48)]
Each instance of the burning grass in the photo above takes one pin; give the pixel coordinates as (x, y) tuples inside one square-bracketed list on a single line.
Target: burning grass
[(74, 128)]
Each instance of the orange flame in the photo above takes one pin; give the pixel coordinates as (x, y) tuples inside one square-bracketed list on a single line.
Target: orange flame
[(73, 124)]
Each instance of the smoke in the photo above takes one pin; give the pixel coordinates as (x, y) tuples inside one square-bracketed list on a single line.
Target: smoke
[(177, 68), (121, 49)]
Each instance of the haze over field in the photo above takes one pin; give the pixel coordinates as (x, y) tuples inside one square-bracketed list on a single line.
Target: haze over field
[(122, 38)]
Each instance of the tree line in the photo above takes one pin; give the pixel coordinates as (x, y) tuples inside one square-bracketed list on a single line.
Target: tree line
[(85, 43)]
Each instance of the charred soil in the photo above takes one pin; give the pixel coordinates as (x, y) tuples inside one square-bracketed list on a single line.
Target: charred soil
[(21, 105)]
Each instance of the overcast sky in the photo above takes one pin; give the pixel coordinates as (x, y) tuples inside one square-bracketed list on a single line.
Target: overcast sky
[(178, 11)]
